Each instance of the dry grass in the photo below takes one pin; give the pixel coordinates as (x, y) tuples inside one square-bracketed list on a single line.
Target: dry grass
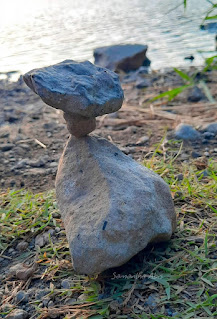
[(175, 279)]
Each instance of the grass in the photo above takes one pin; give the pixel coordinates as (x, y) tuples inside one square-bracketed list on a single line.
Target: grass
[(176, 279)]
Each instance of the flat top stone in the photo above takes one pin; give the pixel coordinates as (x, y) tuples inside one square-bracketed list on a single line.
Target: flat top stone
[(121, 51), (80, 88)]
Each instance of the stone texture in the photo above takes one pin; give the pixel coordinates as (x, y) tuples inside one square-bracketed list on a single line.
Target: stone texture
[(23, 271), (186, 132), (112, 206), (127, 57), (78, 88), (79, 125), (211, 128), (17, 314), (196, 95)]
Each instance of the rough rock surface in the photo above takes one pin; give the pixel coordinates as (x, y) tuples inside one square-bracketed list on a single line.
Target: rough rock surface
[(186, 132), (79, 88), (196, 95), (79, 125), (211, 128), (17, 314), (126, 57), (112, 207)]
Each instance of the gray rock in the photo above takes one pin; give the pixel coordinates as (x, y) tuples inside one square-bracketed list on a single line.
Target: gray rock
[(22, 246), (35, 172), (142, 141), (66, 283), (50, 304), (196, 95), (126, 57), (6, 147), (179, 177), (21, 164), (77, 88), (211, 128), (186, 132), (36, 163), (151, 301), (98, 188), (57, 229), (22, 296), (208, 135), (42, 239), (23, 271), (143, 83), (17, 314), (195, 154), (45, 302), (53, 164), (41, 293)]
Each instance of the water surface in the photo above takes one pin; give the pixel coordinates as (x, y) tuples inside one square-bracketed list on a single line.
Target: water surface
[(35, 33)]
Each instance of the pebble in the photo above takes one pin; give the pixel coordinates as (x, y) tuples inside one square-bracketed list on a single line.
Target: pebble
[(22, 271), (205, 141), (125, 150), (205, 173), (195, 154), (212, 128), (6, 147), (114, 115), (142, 140), (17, 314), (151, 301), (26, 147), (70, 301), (22, 296), (12, 183), (36, 163), (4, 134), (196, 95), (179, 177), (45, 302), (186, 132), (21, 164), (208, 135), (22, 246), (82, 297), (206, 154), (66, 283), (41, 293), (57, 229), (53, 164), (131, 129), (50, 304), (143, 83), (184, 156), (51, 231)]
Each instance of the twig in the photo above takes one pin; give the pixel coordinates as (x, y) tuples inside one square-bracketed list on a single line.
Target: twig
[(40, 143)]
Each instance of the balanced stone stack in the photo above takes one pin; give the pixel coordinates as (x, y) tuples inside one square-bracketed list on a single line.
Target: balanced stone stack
[(112, 207)]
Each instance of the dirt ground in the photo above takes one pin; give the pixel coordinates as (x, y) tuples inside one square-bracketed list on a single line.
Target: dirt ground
[(32, 137), (32, 134)]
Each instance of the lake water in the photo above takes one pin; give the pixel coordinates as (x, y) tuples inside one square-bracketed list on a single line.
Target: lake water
[(35, 33)]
